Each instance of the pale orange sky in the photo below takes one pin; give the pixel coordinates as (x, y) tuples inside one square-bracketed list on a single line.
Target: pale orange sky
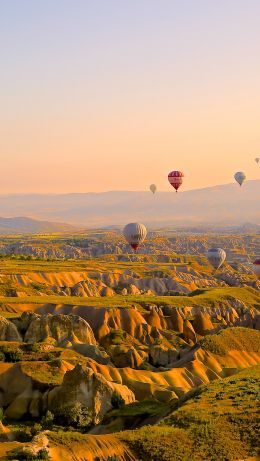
[(114, 95)]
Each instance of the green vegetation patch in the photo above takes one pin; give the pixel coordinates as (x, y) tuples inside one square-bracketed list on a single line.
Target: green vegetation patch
[(217, 422), (50, 373), (238, 338), (145, 409), (222, 416), (66, 438), (159, 443)]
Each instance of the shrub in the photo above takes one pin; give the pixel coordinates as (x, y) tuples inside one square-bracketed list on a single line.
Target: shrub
[(36, 429), (56, 362), (47, 420), (13, 356), (36, 286), (25, 455), (117, 400), (31, 347), (116, 337), (24, 435), (28, 455), (76, 416), (43, 454), (48, 357)]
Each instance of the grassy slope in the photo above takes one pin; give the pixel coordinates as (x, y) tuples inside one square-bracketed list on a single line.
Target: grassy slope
[(218, 422), (207, 298), (14, 266), (43, 367), (239, 339)]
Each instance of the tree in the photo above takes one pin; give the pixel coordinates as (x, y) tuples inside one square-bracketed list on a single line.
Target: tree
[(47, 420)]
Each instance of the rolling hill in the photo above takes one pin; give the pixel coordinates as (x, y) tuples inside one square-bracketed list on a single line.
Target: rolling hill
[(223, 205), (31, 226)]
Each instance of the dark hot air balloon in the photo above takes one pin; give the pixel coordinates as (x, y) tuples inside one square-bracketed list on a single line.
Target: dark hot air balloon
[(240, 177)]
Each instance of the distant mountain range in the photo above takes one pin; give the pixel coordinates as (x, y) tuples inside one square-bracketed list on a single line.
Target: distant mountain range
[(31, 226), (223, 205)]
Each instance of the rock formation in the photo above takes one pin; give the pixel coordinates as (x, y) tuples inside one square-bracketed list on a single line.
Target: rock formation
[(82, 385), (62, 330)]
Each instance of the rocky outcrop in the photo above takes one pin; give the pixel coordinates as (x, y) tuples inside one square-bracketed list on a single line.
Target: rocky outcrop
[(61, 330), (93, 352), (188, 332), (161, 356), (8, 331), (157, 321), (23, 394), (197, 366), (31, 388), (202, 323), (181, 279), (124, 356), (82, 385)]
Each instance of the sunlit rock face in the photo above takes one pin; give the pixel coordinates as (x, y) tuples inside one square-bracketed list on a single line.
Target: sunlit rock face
[(82, 385), (62, 329)]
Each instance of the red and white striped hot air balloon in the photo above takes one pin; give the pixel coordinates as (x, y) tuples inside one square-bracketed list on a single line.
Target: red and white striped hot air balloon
[(175, 179), (256, 267)]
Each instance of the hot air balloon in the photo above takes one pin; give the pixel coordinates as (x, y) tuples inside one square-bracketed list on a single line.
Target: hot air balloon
[(135, 234), (256, 267), (175, 179), (216, 257), (240, 177), (153, 188), (257, 159)]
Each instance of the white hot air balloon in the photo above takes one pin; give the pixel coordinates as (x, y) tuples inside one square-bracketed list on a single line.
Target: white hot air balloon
[(257, 159), (240, 177), (216, 257), (153, 188), (135, 234), (256, 267)]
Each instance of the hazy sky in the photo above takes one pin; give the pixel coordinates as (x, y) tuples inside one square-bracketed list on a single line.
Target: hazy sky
[(112, 94)]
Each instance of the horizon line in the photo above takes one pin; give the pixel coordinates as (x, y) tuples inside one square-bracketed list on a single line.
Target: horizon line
[(125, 190)]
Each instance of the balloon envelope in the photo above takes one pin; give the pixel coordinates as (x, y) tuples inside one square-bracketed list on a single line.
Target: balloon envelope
[(216, 257), (175, 178), (135, 234), (153, 188), (257, 159), (256, 267), (240, 177)]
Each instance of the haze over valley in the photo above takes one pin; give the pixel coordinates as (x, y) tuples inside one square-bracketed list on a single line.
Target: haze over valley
[(222, 205)]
